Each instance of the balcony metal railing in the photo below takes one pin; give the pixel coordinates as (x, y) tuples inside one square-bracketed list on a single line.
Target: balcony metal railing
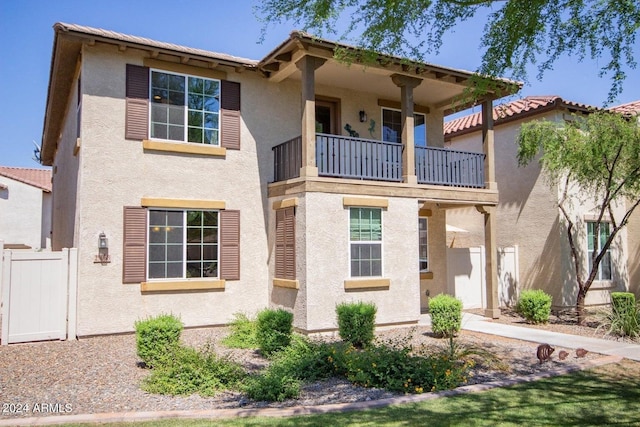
[(345, 157), (442, 166), (355, 158)]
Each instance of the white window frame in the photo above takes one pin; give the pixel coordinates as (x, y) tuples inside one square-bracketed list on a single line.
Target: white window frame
[(366, 242), (185, 136), (597, 247), (184, 245), (424, 116), (426, 228)]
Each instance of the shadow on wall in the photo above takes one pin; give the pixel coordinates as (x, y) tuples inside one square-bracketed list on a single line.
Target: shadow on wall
[(4, 193), (508, 285), (634, 271), (545, 271)]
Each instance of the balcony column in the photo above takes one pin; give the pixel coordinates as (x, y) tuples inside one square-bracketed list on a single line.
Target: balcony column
[(308, 65), (491, 261), (406, 85), (488, 146)]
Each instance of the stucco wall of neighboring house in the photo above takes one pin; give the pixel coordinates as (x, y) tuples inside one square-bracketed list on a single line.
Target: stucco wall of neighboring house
[(528, 216), (66, 167), (116, 172), (21, 210), (633, 261)]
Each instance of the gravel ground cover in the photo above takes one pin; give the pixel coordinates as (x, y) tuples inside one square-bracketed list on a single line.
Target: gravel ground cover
[(102, 374)]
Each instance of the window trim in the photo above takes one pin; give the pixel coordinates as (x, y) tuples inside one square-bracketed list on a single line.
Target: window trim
[(371, 242), (185, 140)]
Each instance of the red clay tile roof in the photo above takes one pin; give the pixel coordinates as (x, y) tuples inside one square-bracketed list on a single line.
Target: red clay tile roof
[(513, 110), (40, 178), (630, 108)]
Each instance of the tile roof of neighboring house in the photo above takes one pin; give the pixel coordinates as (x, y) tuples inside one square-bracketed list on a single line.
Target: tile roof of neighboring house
[(513, 110), (630, 108), (40, 178), (125, 38)]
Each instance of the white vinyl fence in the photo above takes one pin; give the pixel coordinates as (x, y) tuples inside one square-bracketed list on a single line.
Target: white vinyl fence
[(466, 275), (38, 295)]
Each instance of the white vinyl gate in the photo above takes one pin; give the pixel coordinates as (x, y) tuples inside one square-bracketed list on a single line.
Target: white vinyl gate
[(466, 275), (38, 295)]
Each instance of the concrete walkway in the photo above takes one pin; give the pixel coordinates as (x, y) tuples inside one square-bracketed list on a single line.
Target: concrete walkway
[(473, 322)]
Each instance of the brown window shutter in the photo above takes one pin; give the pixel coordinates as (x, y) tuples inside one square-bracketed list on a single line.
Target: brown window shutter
[(230, 115), (280, 244), (286, 243), (230, 245), (137, 102), (134, 268)]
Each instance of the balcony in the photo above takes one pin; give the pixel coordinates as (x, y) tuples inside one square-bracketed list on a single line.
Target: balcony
[(355, 158)]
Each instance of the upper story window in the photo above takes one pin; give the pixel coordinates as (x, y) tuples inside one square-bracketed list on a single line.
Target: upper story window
[(595, 244), (185, 108), (392, 127)]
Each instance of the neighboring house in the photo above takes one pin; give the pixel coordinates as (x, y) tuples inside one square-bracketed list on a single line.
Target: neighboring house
[(25, 207), (632, 109), (226, 185), (528, 215)]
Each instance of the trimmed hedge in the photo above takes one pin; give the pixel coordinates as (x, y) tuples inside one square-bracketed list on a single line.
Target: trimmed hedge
[(157, 338), (356, 322), (273, 330), (446, 315), (535, 306)]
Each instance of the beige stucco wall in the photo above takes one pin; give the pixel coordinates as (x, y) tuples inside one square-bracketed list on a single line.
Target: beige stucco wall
[(327, 261), (115, 172), (436, 235), (65, 179), (633, 261), (23, 208), (528, 216)]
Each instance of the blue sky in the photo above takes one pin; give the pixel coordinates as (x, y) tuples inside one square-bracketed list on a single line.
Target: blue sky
[(26, 40)]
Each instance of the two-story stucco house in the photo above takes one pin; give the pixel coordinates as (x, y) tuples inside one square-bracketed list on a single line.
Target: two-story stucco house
[(227, 185), (25, 207), (528, 215)]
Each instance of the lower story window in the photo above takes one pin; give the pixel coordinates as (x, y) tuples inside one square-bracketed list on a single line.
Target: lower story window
[(595, 244), (365, 229), (423, 245), (183, 244)]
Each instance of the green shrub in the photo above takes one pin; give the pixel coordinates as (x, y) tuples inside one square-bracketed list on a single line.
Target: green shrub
[(243, 333), (271, 386), (356, 322), (274, 328), (304, 360), (446, 315), (157, 337), (535, 306), (623, 318), (191, 371)]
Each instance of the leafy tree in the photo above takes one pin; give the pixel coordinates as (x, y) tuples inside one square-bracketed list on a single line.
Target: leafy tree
[(517, 33), (598, 155)]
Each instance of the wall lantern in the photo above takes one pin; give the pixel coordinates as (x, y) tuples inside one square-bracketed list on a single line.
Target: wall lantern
[(103, 250), (363, 116)]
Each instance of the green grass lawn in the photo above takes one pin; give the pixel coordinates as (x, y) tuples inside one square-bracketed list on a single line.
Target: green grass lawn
[(609, 395)]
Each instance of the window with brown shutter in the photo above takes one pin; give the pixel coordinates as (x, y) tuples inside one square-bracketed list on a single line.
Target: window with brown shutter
[(285, 255), (135, 245), (137, 102), (230, 115), (230, 245)]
